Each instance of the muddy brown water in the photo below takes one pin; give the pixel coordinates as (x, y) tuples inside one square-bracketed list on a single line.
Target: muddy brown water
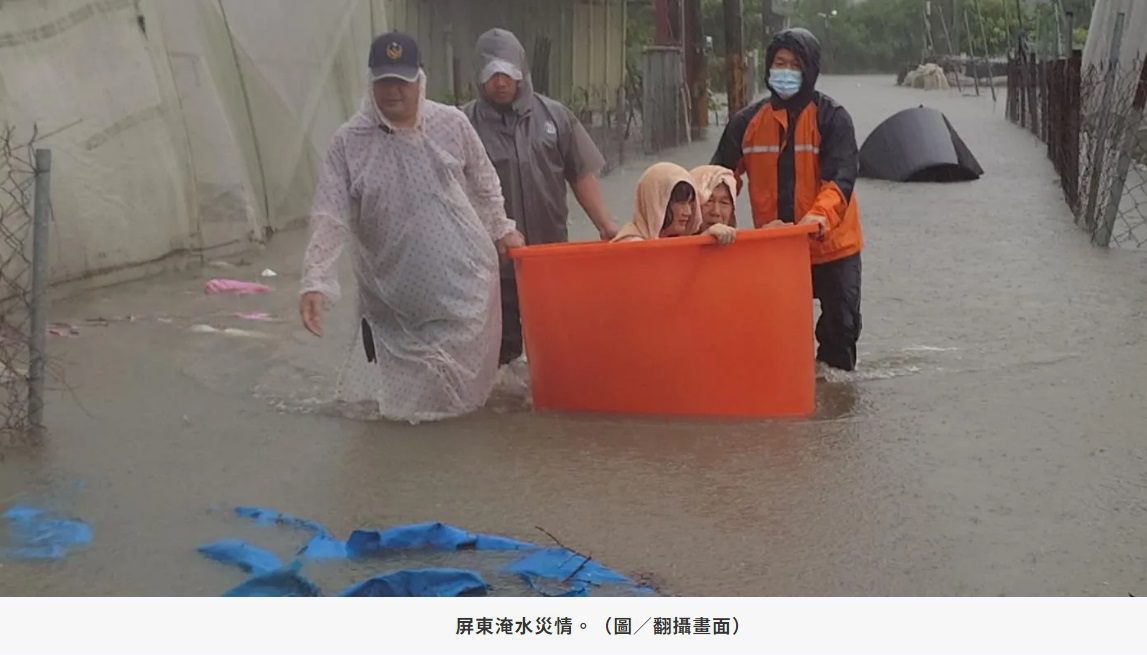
[(991, 442)]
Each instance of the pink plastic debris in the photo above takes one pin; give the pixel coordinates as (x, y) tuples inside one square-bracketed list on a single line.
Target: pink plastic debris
[(236, 287), (62, 330)]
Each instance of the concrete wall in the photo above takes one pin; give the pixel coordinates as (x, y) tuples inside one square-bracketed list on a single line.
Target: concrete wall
[(1101, 33)]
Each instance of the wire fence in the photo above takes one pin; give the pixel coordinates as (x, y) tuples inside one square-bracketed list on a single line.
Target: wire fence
[(1093, 123), (21, 354)]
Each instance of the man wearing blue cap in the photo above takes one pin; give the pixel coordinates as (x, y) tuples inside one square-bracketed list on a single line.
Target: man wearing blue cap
[(407, 183)]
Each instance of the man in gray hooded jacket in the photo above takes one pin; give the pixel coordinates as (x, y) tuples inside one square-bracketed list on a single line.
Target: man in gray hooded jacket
[(537, 146)]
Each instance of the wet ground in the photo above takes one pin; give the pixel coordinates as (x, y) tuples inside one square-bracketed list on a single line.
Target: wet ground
[(991, 443)]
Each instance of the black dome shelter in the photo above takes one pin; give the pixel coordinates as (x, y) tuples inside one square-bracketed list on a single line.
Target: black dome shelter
[(917, 145)]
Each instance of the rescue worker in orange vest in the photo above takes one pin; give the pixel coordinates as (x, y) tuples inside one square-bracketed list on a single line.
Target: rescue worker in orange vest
[(798, 150)]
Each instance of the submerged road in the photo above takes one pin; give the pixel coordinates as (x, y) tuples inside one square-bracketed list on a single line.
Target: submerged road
[(992, 441)]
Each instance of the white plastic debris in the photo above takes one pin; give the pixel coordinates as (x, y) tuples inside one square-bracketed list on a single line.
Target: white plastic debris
[(251, 334), (256, 316), (268, 273), (231, 332)]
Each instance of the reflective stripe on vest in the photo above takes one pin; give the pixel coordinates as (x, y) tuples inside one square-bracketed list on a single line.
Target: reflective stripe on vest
[(756, 150)]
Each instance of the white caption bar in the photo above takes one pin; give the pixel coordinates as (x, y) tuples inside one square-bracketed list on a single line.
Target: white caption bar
[(158, 626)]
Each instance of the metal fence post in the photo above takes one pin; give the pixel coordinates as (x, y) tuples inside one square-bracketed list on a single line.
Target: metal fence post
[(1124, 142), (1072, 127), (1099, 137), (37, 339)]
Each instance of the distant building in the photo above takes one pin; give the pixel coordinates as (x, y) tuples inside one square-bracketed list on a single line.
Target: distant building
[(576, 47)]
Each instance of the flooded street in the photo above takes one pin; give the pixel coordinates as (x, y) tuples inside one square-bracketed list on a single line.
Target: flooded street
[(991, 441)]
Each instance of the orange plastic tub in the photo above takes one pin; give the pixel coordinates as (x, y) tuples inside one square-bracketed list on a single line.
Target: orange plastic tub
[(671, 327)]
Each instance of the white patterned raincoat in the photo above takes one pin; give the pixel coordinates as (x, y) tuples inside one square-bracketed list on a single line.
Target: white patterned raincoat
[(421, 209)]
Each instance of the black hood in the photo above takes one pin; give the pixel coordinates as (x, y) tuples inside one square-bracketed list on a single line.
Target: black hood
[(805, 46)]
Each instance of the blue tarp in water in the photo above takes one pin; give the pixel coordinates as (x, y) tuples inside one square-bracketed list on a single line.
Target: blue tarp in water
[(33, 534), (321, 546), (421, 582), (251, 559), (282, 582), (436, 536), (566, 566), (264, 516), (548, 571)]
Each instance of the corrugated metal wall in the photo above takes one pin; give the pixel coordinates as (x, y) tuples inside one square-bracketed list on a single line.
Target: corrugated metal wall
[(587, 53)]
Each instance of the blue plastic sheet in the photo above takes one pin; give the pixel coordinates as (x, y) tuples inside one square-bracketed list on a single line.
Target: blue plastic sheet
[(322, 546), (436, 536), (264, 516), (282, 582), (547, 571), (567, 566), (250, 559), (35, 535), (556, 589), (438, 582), (22, 513)]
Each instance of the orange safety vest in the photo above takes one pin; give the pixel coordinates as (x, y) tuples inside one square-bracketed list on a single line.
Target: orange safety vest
[(761, 148)]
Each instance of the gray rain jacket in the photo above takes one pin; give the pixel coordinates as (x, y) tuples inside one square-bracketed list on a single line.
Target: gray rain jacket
[(537, 145)]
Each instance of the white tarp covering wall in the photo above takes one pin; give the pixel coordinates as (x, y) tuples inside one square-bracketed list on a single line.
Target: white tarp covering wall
[(195, 126), (179, 126)]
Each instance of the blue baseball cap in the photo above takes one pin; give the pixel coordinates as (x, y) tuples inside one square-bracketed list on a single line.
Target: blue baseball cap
[(394, 55)]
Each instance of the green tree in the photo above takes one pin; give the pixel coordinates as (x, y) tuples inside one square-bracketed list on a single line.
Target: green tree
[(884, 35)]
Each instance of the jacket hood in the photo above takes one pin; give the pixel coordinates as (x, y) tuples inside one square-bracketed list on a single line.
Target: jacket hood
[(806, 47), (502, 44), (706, 179), (369, 115), (654, 190)]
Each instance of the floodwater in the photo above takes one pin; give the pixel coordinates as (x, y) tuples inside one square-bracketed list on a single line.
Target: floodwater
[(991, 442)]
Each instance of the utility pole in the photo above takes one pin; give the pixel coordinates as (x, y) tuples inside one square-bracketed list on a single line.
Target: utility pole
[(828, 58), (696, 74), (660, 22), (1063, 47), (987, 51), (929, 43), (1070, 18), (771, 21), (951, 49), (972, 51), (735, 55), (676, 21), (1020, 19)]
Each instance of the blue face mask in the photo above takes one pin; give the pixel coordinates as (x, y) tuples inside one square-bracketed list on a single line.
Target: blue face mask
[(785, 82)]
